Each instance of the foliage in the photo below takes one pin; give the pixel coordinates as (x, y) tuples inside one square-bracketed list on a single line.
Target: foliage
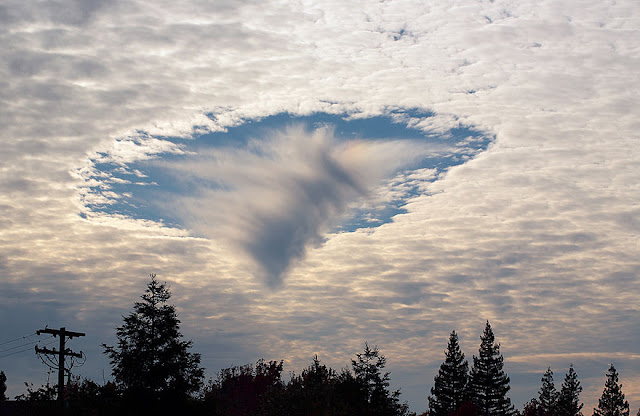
[(313, 392), (367, 370), (45, 393), (532, 408), (569, 398), (488, 383), (467, 409), (88, 391), (612, 402), (151, 361), (548, 396), (318, 391), (3, 386), (450, 384), (243, 390)]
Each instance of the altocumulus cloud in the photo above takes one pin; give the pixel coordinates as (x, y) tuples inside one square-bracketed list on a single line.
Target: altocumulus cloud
[(278, 195), (537, 234)]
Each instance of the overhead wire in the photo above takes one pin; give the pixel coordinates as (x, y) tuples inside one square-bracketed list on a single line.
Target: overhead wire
[(21, 345), (32, 343), (14, 353), (49, 361), (17, 339)]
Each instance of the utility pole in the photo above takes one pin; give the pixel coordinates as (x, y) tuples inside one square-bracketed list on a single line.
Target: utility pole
[(61, 353)]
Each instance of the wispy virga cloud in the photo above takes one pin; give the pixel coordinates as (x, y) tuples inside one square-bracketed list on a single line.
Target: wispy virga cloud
[(276, 197)]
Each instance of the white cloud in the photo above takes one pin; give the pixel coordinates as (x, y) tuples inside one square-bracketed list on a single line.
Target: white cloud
[(276, 197), (539, 233)]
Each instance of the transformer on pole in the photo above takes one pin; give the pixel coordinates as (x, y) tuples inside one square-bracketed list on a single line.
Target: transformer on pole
[(61, 353)]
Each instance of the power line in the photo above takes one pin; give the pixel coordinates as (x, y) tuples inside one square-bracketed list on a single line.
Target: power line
[(16, 352), (22, 345), (61, 353), (23, 350), (17, 339)]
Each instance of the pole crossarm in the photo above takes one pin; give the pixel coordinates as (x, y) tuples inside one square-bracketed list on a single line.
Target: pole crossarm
[(62, 352), (56, 332), (67, 352)]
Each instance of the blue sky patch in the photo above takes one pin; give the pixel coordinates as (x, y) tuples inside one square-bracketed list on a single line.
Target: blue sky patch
[(134, 189)]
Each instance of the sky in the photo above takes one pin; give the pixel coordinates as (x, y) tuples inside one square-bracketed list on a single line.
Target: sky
[(307, 176)]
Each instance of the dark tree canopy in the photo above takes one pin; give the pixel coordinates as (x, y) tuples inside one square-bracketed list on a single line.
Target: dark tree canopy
[(314, 391), (548, 396), (612, 402), (450, 384), (488, 383), (246, 390), (569, 397), (374, 384), (3, 386), (317, 391), (151, 360)]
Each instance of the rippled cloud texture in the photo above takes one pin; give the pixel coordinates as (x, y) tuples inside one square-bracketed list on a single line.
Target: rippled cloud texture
[(539, 233)]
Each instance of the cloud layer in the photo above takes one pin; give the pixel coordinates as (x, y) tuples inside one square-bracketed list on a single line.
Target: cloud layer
[(280, 194), (538, 233)]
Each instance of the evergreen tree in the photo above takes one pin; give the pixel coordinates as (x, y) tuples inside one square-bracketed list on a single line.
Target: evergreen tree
[(312, 393), (548, 396), (448, 392), (569, 398), (151, 360), (612, 402), (3, 386), (532, 408), (488, 383), (367, 369)]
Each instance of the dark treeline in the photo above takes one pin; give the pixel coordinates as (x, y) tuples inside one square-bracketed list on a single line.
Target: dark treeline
[(154, 371)]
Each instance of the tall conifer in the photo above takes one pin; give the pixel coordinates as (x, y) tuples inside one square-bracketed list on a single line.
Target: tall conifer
[(569, 399), (488, 383), (151, 361), (548, 396), (612, 402), (448, 392)]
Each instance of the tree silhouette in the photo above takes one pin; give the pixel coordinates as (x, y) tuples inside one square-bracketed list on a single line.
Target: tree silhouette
[(569, 398), (151, 361), (450, 384), (313, 392), (532, 408), (612, 402), (367, 369), (246, 390), (3, 386), (488, 383), (548, 396)]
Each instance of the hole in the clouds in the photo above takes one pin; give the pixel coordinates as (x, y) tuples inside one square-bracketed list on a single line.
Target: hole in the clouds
[(136, 186), (274, 186)]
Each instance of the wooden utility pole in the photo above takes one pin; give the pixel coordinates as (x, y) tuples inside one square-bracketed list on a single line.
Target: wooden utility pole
[(61, 353)]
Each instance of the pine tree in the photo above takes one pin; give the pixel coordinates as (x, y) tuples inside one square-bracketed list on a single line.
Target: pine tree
[(448, 392), (569, 399), (151, 361), (532, 408), (612, 402), (548, 396), (367, 369), (488, 383)]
